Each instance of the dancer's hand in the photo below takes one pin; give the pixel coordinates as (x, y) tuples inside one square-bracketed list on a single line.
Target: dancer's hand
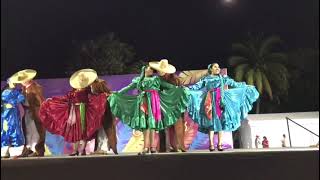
[(8, 106)]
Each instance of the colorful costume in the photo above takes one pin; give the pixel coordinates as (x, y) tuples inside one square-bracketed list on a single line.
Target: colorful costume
[(34, 131), (217, 109), (150, 109), (106, 135), (174, 135), (11, 127), (75, 116)]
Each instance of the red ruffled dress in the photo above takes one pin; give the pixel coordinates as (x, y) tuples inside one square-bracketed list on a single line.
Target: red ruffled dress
[(75, 116)]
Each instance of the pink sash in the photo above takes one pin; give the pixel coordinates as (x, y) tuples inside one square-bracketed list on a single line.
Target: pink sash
[(155, 104)]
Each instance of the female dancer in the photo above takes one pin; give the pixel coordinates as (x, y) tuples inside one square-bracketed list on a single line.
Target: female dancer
[(216, 109), (151, 109), (78, 115), (11, 127)]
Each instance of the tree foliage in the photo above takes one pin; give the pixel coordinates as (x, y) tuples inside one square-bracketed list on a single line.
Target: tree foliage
[(106, 54), (259, 62)]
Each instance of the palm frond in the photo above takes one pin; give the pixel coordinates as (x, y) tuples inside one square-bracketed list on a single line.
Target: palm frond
[(240, 48), (253, 45), (268, 44), (240, 71), (277, 67), (235, 60), (250, 77), (259, 81), (276, 57), (266, 85), (279, 76)]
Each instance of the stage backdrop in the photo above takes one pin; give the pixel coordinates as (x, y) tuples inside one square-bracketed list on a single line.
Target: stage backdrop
[(128, 140)]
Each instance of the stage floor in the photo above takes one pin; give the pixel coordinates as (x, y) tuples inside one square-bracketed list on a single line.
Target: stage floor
[(235, 164), (259, 151)]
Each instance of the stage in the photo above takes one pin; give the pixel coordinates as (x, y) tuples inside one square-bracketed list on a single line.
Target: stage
[(249, 164)]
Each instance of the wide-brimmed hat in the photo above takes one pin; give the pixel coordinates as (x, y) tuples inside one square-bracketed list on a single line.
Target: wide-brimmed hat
[(83, 78), (23, 76), (163, 66)]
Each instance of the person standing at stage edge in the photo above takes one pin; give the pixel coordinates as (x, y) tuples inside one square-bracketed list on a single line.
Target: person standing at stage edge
[(33, 129), (265, 142)]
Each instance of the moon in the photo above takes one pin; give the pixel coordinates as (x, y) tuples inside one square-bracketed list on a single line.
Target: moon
[(228, 3)]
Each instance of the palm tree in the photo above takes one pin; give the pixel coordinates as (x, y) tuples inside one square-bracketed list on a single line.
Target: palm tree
[(106, 54), (257, 62)]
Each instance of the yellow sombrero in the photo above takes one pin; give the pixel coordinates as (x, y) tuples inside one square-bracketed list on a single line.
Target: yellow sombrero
[(163, 66), (83, 78), (23, 76)]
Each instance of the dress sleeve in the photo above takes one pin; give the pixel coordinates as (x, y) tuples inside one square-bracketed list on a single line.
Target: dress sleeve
[(20, 97), (64, 98), (199, 85), (131, 86), (165, 84), (233, 83), (16, 98), (4, 98)]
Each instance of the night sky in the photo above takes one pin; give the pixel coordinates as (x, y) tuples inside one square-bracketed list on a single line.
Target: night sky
[(191, 33)]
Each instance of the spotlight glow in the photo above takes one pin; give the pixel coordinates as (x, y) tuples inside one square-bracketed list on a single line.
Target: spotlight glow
[(228, 3)]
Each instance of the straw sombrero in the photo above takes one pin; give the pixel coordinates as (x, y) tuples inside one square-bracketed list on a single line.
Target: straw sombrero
[(163, 66), (83, 78), (23, 76)]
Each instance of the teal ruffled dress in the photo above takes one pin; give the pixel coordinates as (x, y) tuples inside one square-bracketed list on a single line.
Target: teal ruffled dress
[(136, 110), (215, 108)]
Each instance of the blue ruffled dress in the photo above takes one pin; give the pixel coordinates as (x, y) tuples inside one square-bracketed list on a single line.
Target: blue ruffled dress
[(11, 127), (235, 103)]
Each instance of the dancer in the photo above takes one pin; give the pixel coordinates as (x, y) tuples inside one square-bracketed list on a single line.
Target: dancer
[(11, 128), (108, 131), (151, 109), (216, 109), (78, 115), (32, 127), (176, 143)]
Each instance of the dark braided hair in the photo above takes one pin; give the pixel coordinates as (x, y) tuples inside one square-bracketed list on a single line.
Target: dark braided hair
[(141, 77)]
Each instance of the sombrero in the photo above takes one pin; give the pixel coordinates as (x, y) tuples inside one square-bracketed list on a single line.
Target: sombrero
[(162, 66), (83, 78), (23, 76)]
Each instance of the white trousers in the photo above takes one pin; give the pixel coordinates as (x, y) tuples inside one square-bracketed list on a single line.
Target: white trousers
[(32, 135)]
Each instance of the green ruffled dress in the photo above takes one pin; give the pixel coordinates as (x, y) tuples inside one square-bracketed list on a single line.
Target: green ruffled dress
[(173, 102)]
